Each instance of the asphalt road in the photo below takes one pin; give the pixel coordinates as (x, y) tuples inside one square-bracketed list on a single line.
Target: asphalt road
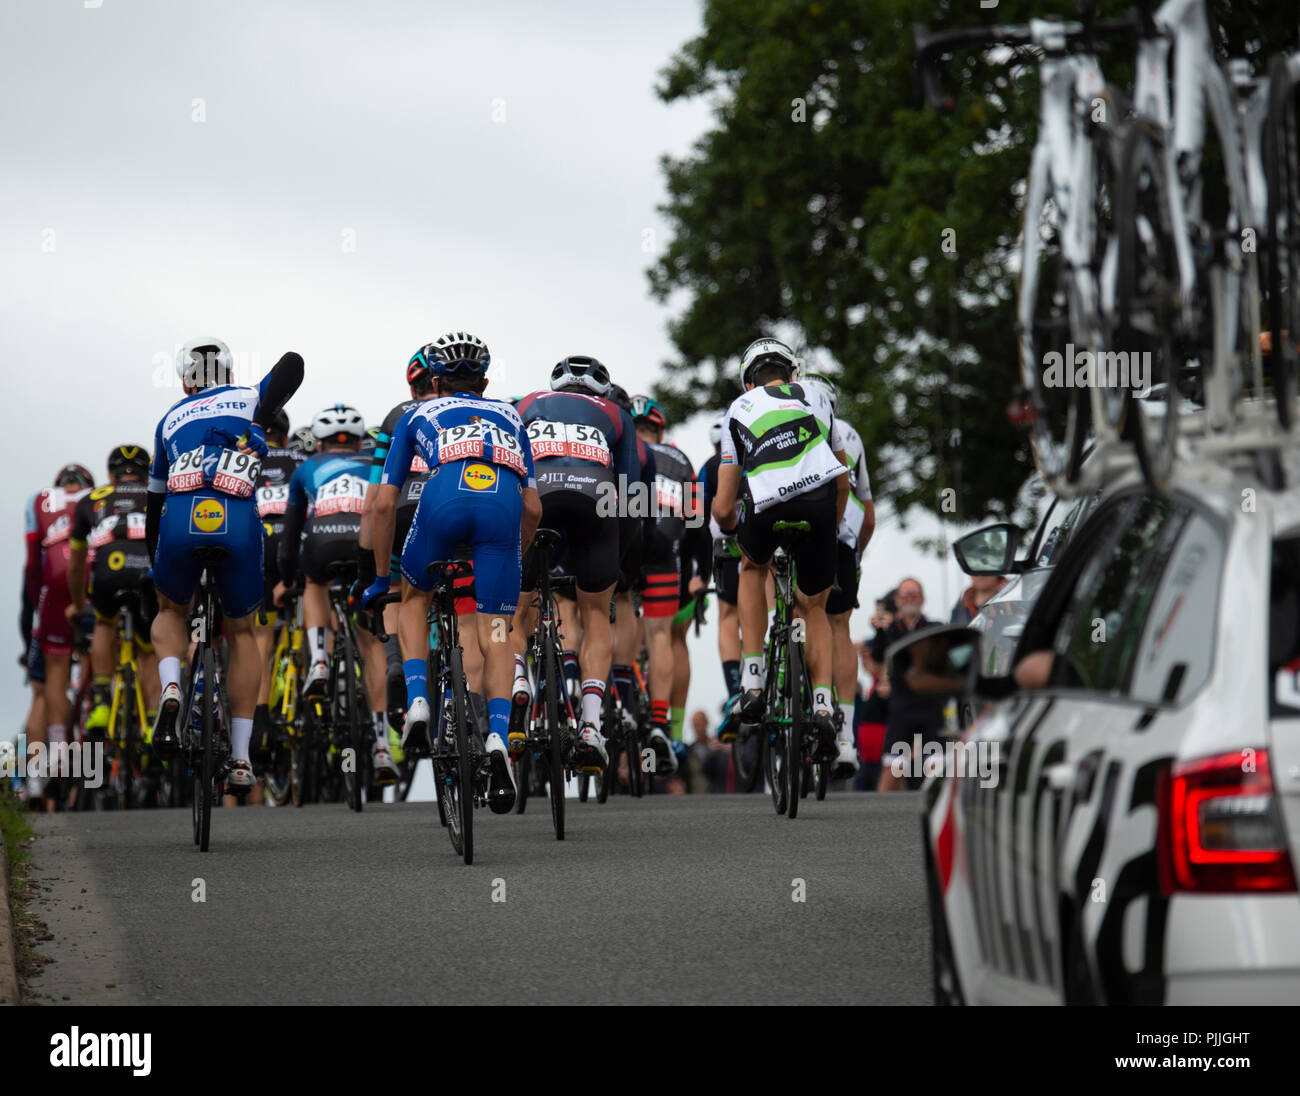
[(664, 900)]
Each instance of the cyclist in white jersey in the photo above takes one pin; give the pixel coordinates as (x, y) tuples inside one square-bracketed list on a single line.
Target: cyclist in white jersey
[(786, 442), (856, 527)]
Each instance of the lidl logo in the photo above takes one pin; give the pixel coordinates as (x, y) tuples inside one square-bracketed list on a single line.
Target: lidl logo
[(208, 516), (479, 477)]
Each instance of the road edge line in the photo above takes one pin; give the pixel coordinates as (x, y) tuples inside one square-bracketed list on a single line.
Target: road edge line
[(8, 956)]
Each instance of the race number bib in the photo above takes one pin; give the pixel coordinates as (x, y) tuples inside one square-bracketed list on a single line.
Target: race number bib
[(344, 495), (471, 441), (568, 439), (272, 500), (237, 474), (187, 473), (668, 497)]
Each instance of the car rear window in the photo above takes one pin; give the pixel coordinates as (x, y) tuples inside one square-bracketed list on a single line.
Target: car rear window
[(1284, 628)]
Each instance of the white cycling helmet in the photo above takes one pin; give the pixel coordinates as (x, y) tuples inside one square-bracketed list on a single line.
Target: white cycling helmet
[(715, 431), (825, 385), (203, 361), (339, 423), (582, 372), (764, 350)]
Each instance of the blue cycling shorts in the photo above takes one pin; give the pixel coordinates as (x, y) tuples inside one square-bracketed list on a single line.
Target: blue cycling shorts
[(479, 504), (207, 520)]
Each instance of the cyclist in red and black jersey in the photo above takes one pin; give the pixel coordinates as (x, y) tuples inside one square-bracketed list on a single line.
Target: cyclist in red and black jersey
[(45, 574), (673, 489), (584, 449)]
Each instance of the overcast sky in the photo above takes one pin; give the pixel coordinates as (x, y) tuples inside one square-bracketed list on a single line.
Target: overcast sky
[(345, 180)]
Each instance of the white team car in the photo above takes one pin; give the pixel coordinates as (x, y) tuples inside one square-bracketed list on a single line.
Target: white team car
[(1135, 840)]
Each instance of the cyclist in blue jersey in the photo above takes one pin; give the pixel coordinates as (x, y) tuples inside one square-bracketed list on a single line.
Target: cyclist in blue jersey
[(480, 491), (586, 454), (205, 469), (331, 484)]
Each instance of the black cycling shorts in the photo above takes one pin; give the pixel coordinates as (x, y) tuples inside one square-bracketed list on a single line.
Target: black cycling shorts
[(329, 540), (104, 600), (813, 553), (629, 566), (844, 594), (726, 579), (589, 542)]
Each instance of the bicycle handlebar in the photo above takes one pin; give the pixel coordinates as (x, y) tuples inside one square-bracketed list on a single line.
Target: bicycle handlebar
[(372, 619), (930, 46)]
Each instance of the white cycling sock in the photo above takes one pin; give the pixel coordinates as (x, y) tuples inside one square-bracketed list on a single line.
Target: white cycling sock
[(316, 643), (593, 696), (823, 699), (381, 728), (169, 671), (846, 732), (751, 672), (241, 733), (521, 672)]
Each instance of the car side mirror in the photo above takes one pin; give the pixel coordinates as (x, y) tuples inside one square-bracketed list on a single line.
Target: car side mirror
[(941, 661), (988, 551)]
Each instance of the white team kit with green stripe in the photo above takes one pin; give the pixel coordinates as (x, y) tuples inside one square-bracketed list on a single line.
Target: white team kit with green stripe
[(855, 511), (784, 438)]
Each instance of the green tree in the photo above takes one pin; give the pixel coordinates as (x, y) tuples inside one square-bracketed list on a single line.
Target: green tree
[(827, 203)]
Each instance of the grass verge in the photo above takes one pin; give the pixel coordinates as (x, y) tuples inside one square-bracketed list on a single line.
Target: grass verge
[(29, 930)]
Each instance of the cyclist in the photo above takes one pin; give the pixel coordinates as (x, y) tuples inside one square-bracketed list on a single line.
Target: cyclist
[(856, 527), (481, 490), (670, 669), (108, 525), (272, 495), (201, 496), (584, 446), (785, 439), (45, 574), (332, 482), (726, 580), (423, 384)]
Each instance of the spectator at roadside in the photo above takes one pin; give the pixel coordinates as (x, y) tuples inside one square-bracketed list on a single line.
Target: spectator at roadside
[(710, 758), (981, 590), (910, 714)]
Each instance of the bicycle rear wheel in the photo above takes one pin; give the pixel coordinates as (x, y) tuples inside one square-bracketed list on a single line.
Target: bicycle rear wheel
[(354, 781), (464, 799), (794, 762), (1282, 171), (205, 777), (556, 733), (130, 743), (821, 779), (747, 757), (1146, 297)]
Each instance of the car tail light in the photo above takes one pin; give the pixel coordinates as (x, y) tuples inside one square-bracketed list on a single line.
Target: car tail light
[(1221, 829)]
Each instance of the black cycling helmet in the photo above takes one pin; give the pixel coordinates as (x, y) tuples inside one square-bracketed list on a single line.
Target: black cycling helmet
[(619, 395), (279, 424), (128, 458), (77, 474)]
